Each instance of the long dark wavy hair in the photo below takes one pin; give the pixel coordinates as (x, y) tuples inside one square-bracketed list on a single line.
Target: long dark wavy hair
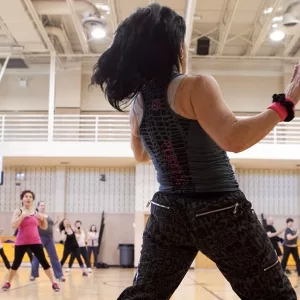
[(146, 49), (61, 225)]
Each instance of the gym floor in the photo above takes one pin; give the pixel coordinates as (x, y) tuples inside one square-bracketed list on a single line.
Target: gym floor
[(107, 284)]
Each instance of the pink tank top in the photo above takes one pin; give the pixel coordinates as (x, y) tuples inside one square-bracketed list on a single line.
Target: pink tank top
[(28, 233)]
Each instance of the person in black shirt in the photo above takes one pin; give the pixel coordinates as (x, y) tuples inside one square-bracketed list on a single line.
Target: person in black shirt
[(290, 245), (274, 236)]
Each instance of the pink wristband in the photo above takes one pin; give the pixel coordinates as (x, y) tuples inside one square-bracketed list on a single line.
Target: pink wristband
[(279, 109)]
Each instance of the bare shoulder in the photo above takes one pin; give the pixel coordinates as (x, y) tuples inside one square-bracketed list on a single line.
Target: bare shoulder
[(192, 89), (17, 212), (199, 81)]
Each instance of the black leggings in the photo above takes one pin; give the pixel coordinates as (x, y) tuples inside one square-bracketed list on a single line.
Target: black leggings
[(84, 254), (29, 253), (4, 258), (286, 253), (37, 250), (76, 253)]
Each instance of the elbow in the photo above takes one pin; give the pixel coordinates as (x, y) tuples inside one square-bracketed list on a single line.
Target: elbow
[(142, 157), (234, 147)]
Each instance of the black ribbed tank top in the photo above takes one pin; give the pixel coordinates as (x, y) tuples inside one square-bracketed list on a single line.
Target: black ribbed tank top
[(185, 157)]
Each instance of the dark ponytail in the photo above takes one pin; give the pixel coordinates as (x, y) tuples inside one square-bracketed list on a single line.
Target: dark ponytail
[(146, 49)]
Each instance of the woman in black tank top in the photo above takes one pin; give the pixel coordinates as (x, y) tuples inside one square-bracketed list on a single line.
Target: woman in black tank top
[(70, 244), (199, 206)]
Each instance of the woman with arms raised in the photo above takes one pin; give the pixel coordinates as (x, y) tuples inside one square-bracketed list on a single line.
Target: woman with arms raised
[(184, 126)]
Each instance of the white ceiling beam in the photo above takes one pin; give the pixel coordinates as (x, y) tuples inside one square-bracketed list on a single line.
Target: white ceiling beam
[(265, 29), (225, 27), (206, 34), (4, 67), (41, 28), (189, 19), (291, 44), (247, 57), (79, 28), (256, 25), (114, 15), (7, 33)]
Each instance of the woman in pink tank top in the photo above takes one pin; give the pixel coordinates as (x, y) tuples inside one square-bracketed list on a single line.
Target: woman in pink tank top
[(27, 221)]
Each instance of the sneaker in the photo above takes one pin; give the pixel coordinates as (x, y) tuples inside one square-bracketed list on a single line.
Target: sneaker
[(62, 279), (68, 270), (84, 273), (55, 287), (6, 286), (32, 278), (89, 270)]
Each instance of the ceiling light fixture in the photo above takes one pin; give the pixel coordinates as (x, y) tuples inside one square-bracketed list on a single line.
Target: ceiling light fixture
[(98, 33), (268, 10), (95, 25), (277, 35), (275, 25)]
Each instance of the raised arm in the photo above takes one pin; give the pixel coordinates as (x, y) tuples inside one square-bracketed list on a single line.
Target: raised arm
[(205, 104), (273, 234), (290, 237), (42, 221)]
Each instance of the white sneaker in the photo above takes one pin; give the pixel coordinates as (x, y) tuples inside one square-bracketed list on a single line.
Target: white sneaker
[(68, 270), (32, 278), (89, 270)]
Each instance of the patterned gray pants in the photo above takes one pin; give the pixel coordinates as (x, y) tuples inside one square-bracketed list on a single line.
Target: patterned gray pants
[(224, 228)]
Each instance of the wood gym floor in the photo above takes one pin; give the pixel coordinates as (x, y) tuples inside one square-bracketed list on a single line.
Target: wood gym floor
[(107, 284)]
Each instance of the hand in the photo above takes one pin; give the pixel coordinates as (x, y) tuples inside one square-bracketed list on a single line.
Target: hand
[(293, 89), (282, 230), (40, 217)]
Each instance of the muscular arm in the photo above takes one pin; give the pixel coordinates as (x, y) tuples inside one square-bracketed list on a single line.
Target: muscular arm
[(201, 99)]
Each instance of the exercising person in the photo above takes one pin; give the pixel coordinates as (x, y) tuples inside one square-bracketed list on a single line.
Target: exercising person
[(70, 244), (93, 237), (48, 243), (274, 236), (27, 220), (80, 236), (290, 245), (28, 251), (2, 254), (184, 126)]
